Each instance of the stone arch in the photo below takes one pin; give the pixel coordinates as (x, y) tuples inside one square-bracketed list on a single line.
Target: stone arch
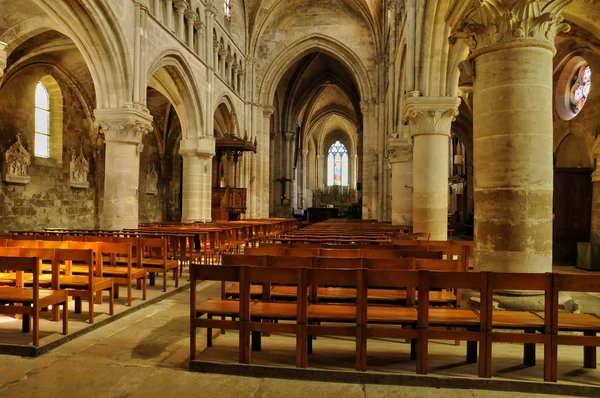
[(178, 85), (96, 32), (225, 99), (314, 43)]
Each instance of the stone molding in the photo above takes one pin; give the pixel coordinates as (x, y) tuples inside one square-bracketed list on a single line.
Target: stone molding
[(201, 147), (123, 125), (267, 111), (289, 136), (400, 151), (430, 115), (486, 25), (16, 163), (78, 170)]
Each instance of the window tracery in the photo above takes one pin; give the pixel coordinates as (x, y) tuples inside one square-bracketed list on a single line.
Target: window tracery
[(337, 165), (42, 121)]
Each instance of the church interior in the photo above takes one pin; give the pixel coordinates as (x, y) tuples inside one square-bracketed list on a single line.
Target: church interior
[(232, 194)]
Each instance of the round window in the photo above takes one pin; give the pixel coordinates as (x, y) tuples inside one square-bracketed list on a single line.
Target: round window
[(573, 88)]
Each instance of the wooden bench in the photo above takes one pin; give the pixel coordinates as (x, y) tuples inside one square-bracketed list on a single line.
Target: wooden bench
[(121, 274), (153, 257)]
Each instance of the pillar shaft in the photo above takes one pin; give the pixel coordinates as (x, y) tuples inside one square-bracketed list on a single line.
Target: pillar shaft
[(197, 172), (595, 231), (400, 155), (123, 131), (512, 129), (430, 119)]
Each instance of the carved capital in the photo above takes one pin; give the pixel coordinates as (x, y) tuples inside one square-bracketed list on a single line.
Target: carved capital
[(484, 24), (430, 115), (199, 25), (191, 17), (289, 136), (399, 151), (268, 111), (181, 6), (124, 125), (201, 147)]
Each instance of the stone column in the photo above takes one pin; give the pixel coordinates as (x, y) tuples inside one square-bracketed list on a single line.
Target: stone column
[(223, 54), (595, 231), (169, 17), (123, 130), (191, 20), (216, 46), (401, 157), (241, 90), (197, 172), (181, 7), (512, 129), (200, 39), (288, 159), (228, 65), (234, 85), (430, 119), (304, 179)]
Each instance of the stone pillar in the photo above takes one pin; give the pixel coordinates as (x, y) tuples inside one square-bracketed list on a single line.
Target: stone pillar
[(191, 20), (264, 142), (430, 119), (123, 130), (512, 129), (595, 231), (181, 7), (200, 39), (228, 65), (223, 54), (169, 17), (197, 173), (320, 181), (401, 157), (304, 179), (234, 83), (287, 166), (241, 90), (216, 46)]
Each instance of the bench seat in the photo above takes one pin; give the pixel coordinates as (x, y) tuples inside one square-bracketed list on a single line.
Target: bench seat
[(218, 307), (77, 281), (122, 272), (332, 312), (233, 290), (517, 320), (269, 310), (453, 317), (25, 295), (577, 322), (392, 315)]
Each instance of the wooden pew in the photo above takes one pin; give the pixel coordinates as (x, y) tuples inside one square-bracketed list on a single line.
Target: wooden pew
[(153, 258), (122, 274)]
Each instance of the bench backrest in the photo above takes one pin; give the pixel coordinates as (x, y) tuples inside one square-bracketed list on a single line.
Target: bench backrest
[(264, 251), (155, 248), (301, 252), (83, 257), (23, 243), (244, 259), (52, 244), (337, 262), (432, 255), (388, 263)]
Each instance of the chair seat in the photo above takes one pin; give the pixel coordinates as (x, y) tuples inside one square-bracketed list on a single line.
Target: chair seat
[(234, 290), (336, 293), (516, 320), (79, 281), (160, 263), (25, 295), (393, 315), (332, 312), (577, 322), (273, 310), (386, 294), (453, 317), (122, 272), (218, 307), (441, 297), (284, 292)]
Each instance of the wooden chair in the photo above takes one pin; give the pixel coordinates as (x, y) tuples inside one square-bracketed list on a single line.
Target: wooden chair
[(264, 251), (264, 313), (153, 257), (122, 274), (238, 310), (30, 301), (453, 321), (498, 322), (587, 324), (233, 290), (79, 286), (383, 321), (348, 319)]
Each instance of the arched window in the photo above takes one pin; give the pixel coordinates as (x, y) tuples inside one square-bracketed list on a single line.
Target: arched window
[(42, 121), (580, 89), (337, 165), (227, 9)]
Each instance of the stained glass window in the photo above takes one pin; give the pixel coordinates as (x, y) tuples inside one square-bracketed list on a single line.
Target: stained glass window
[(582, 82), (227, 8), (42, 121), (337, 165)]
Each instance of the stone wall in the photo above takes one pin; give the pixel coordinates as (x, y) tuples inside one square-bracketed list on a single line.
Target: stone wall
[(48, 200), (152, 205)]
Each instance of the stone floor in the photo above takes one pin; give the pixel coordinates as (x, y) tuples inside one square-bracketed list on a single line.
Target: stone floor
[(146, 354)]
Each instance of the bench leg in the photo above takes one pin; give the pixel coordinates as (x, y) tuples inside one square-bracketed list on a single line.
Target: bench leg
[(152, 276), (144, 289), (472, 351), (413, 349), (176, 277), (589, 353), (77, 305), (111, 302), (256, 341), (129, 293), (192, 340), (529, 351), (36, 327), (66, 317), (165, 280), (209, 334), (309, 344), (26, 323), (91, 308)]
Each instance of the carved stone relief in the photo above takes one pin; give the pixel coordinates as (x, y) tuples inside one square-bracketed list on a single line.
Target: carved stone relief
[(16, 164), (78, 171), (152, 180)]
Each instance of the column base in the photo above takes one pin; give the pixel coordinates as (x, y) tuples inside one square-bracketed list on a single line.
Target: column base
[(519, 302)]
